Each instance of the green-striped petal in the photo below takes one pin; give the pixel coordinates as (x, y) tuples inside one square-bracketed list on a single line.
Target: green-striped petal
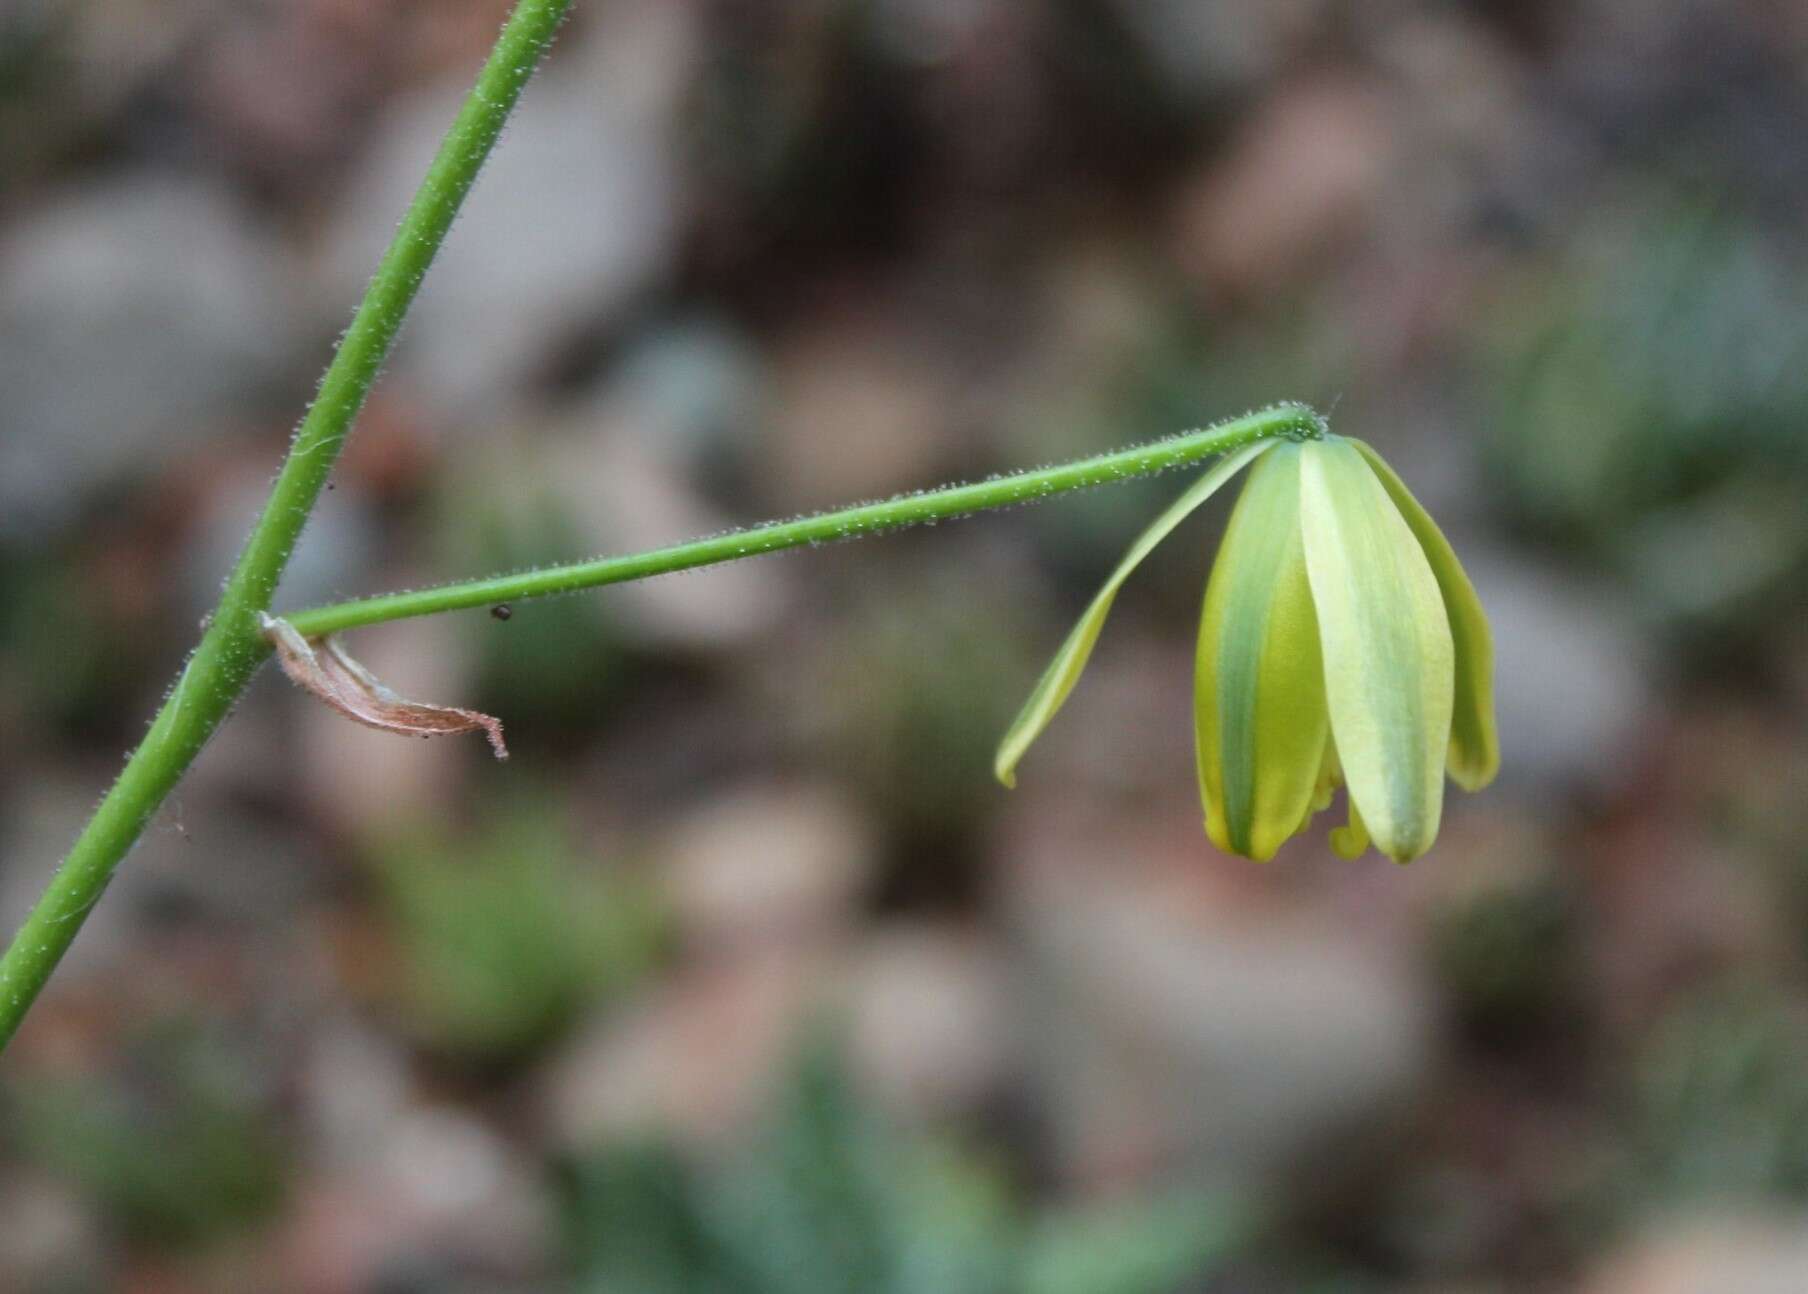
[(1260, 721), (1474, 742), (1064, 671), (1389, 659)]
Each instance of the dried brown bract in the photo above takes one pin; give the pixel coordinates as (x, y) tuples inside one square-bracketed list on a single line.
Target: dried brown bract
[(324, 668)]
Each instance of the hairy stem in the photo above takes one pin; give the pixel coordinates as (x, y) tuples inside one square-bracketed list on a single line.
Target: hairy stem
[(826, 527), (233, 647)]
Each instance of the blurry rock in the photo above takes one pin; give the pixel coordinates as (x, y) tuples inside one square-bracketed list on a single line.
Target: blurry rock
[(1754, 1255), (684, 389), (436, 1189), (1181, 1024), (446, 1167), (1303, 176), (112, 52), (43, 816), (278, 96), (572, 216), (627, 468), (50, 1239), (134, 314), (1131, 736), (1095, 310), (353, 1083), (397, 1180), (626, 495), (931, 1025), (1464, 91), (1571, 671), (251, 758), (767, 862), (333, 556), (854, 413), (696, 1058)]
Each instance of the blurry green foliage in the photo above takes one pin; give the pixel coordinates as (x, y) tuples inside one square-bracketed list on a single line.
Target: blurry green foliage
[(921, 676), (1655, 389), (1151, 1245), (1721, 1101), (793, 128), (1507, 955), (1758, 801), (831, 1200), (66, 654), (33, 56), (503, 939), (175, 1143), (556, 664)]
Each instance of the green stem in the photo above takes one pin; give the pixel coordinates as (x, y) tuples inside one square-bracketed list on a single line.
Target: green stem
[(826, 527), (233, 647)]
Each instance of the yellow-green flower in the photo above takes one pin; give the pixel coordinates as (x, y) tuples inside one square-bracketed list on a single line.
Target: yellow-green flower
[(1340, 642)]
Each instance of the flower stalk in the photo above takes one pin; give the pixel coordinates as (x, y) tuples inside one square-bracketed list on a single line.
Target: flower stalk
[(1282, 421), (233, 645)]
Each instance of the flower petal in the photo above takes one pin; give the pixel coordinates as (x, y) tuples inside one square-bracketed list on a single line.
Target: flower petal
[(1260, 722), (1330, 777), (1474, 742), (1389, 659), (1064, 671), (1352, 840)]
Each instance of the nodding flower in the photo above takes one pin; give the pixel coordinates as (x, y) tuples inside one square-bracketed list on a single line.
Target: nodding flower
[(1341, 643)]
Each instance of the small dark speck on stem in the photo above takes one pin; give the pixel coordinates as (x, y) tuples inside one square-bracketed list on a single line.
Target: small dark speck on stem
[(501, 611)]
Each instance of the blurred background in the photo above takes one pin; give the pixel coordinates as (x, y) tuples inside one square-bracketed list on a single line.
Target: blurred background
[(743, 974)]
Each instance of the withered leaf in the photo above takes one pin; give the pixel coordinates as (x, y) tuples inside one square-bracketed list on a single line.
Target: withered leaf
[(327, 670)]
